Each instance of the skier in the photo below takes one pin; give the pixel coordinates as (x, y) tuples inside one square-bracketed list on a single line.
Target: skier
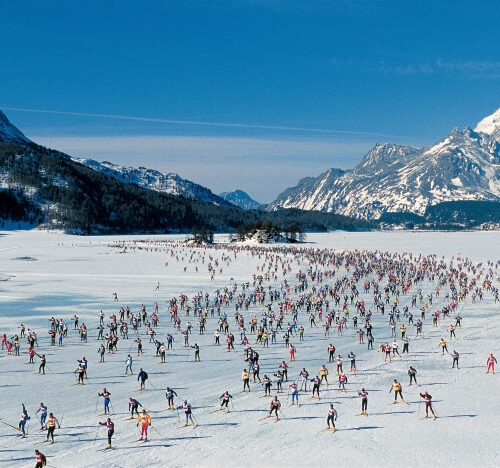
[(275, 406), (188, 412), (133, 405), (284, 366), (169, 394), (331, 418), (444, 348), (225, 401), (396, 386), (105, 394), (491, 361), (331, 351), (304, 375), (342, 381), (267, 385), (455, 357), (43, 415), (339, 364), (81, 372), (129, 365), (22, 423), (84, 363), (364, 401), (111, 429), (196, 352), (245, 376), (295, 393), (316, 383), (145, 420), (412, 373), (428, 404), (51, 427), (324, 374), (142, 377), (41, 461), (101, 351), (43, 361), (352, 357)]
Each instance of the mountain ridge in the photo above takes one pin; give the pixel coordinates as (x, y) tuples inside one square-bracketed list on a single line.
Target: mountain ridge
[(464, 165)]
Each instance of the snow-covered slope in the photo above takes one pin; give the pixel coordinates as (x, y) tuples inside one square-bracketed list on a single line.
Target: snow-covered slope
[(9, 132), (241, 199), (465, 165), (155, 180)]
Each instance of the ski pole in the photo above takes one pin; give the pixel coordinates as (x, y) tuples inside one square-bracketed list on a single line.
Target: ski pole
[(96, 432), (96, 404), (10, 425)]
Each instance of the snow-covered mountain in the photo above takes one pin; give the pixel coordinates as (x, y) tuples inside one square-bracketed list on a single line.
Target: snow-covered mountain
[(155, 180), (241, 199), (465, 165), (490, 125), (9, 132)]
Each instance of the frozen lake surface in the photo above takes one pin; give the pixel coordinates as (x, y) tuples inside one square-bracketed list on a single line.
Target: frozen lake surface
[(52, 274)]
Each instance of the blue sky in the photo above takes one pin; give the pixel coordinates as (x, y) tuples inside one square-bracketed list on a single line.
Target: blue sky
[(401, 71)]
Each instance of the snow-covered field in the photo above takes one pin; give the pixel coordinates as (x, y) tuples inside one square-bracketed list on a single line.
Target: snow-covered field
[(51, 274)]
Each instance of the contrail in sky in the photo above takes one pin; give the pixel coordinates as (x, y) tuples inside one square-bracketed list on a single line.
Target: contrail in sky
[(203, 123)]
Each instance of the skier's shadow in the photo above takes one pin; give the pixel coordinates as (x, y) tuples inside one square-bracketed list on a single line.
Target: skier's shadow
[(359, 428), (16, 459), (304, 417), (459, 416), (220, 424)]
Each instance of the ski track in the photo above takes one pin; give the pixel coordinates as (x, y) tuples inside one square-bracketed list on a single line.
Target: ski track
[(78, 275)]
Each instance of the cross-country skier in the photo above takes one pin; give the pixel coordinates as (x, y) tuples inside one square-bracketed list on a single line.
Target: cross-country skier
[(133, 406), (331, 418), (491, 361), (22, 423), (188, 412), (412, 373), (364, 401), (142, 377), (51, 427), (295, 393), (145, 420), (43, 415), (428, 404), (128, 364), (396, 386), (111, 430), (105, 394), (245, 376), (41, 461), (225, 397), (275, 406)]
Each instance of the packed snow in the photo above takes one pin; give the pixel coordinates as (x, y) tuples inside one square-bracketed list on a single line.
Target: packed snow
[(78, 275)]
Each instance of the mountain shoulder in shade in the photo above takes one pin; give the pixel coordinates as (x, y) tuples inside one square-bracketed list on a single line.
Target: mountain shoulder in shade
[(241, 199)]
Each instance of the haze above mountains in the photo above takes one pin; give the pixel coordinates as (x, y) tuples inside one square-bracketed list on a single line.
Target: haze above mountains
[(464, 165)]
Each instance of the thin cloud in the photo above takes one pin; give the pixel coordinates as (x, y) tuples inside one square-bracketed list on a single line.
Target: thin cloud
[(205, 123), (469, 66), (486, 69)]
